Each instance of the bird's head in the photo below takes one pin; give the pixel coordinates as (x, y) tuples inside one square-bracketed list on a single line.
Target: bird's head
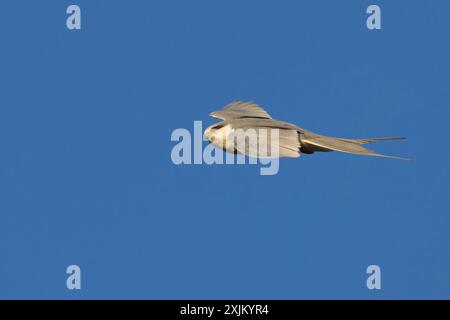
[(213, 131)]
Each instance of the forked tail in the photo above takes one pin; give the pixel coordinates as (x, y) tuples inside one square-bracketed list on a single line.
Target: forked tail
[(312, 142)]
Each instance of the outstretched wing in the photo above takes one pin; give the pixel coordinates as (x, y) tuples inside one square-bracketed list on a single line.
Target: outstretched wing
[(271, 136), (241, 110)]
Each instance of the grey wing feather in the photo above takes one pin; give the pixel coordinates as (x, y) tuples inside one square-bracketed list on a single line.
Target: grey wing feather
[(287, 144), (241, 109), (263, 123)]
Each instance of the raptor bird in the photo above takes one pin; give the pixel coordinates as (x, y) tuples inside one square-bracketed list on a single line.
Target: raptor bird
[(292, 140)]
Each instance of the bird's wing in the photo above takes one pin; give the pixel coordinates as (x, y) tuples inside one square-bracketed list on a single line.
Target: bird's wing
[(239, 110), (286, 143), (263, 123)]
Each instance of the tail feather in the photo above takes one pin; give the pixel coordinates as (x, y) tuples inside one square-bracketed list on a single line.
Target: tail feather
[(316, 142), (368, 140)]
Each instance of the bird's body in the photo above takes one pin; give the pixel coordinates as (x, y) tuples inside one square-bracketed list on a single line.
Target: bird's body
[(291, 141)]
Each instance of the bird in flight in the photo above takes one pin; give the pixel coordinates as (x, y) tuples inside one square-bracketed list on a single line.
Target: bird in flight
[(292, 140)]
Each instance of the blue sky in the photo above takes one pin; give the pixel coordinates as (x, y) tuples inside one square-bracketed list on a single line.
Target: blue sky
[(86, 176)]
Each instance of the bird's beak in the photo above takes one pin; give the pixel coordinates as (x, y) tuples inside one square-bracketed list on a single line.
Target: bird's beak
[(207, 135)]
